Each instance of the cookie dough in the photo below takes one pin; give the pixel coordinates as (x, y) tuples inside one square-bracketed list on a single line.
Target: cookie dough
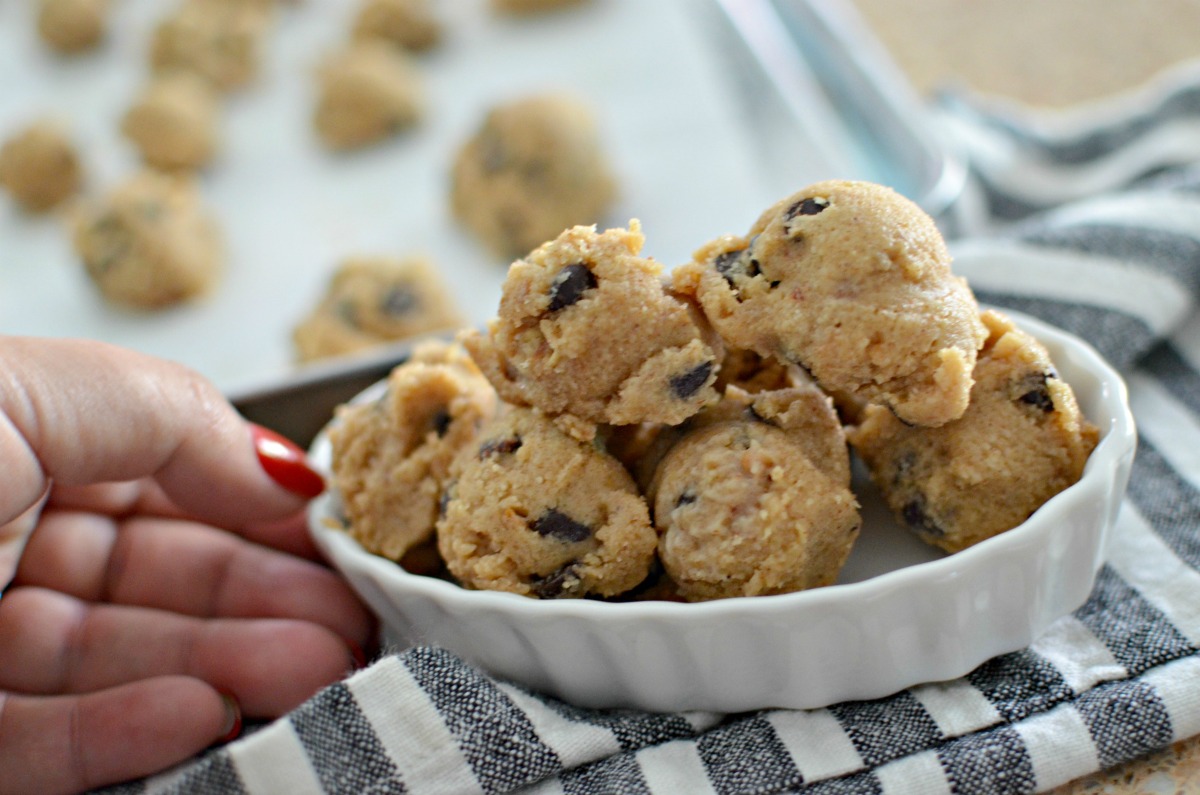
[(411, 24), (218, 40), (750, 504), (173, 123), (391, 458), (536, 512), (535, 168), (852, 281), (531, 6), (373, 300), (586, 328), (368, 92), (1021, 441), (39, 167), (72, 26), (151, 243)]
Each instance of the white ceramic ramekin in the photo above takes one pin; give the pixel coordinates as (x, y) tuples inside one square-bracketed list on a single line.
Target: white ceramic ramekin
[(902, 614)]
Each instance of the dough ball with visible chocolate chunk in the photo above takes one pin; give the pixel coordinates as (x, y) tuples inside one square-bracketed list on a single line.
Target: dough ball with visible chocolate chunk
[(40, 167), (753, 497), (851, 281), (150, 243), (373, 300), (173, 123), (587, 328), (411, 24), (391, 458), (368, 92), (534, 511), (72, 26), (534, 168), (1022, 440)]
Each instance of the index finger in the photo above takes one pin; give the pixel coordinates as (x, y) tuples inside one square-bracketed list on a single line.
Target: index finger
[(78, 412)]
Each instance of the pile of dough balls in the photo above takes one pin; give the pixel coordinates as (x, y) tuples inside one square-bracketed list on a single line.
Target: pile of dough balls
[(633, 437)]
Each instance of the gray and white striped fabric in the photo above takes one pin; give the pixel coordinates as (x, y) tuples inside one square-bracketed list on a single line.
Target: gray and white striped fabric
[(1101, 236)]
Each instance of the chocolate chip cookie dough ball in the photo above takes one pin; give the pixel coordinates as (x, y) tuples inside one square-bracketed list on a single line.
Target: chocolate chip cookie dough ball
[(536, 512), (373, 300), (391, 458), (749, 504), (410, 24), (151, 243), (72, 26), (586, 328), (218, 40), (852, 281), (535, 168), (1021, 441), (173, 123), (39, 167), (368, 92)]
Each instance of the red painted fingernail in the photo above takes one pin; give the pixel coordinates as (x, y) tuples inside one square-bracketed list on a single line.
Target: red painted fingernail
[(233, 717), (357, 655), (285, 462)]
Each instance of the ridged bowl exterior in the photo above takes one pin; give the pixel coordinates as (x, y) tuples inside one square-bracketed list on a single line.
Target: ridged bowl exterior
[(927, 622)]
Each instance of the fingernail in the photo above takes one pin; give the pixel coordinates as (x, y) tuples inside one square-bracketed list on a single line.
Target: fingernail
[(285, 462), (233, 719), (357, 656)]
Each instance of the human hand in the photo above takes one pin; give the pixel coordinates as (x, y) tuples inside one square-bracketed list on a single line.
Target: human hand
[(168, 586)]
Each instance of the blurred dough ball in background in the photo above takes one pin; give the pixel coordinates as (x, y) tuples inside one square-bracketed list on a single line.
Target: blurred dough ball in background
[(373, 300), (367, 92), (40, 167), (71, 26), (1048, 53), (173, 123), (410, 24), (534, 167), (219, 40)]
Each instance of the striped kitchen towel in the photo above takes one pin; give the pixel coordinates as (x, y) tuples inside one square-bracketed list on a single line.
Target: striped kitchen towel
[(1093, 225)]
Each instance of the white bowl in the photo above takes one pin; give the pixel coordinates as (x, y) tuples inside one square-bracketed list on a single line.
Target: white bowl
[(901, 614)]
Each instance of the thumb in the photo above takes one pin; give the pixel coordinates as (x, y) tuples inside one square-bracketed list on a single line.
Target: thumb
[(78, 412)]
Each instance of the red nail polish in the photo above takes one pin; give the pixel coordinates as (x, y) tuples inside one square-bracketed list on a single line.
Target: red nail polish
[(357, 655), (285, 462), (234, 717)]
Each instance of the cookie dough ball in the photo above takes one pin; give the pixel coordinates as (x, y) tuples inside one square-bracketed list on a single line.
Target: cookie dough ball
[(174, 122), (368, 92), (410, 24), (391, 458), (72, 26), (151, 243), (373, 300), (218, 40), (586, 328), (535, 168), (852, 281), (1021, 441), (533, 511), (747, 507), (531, 6), (39, 167)]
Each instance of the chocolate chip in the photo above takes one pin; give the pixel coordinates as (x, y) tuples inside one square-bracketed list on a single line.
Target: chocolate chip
[(915, 516), (498, 447), (1036, 394), (398, 301), (686, 498), (554, 585), (809, 206), (733, 264), (558, 525), (569, 285), (687, 384), (441, 422)]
